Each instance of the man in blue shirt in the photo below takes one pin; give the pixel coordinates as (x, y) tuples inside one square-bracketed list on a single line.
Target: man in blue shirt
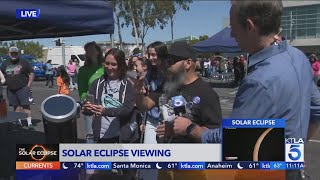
[(279, 82)]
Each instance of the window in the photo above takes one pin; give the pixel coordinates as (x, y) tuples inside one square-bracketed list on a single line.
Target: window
[(301, 33), (311, 33), (318, 32)]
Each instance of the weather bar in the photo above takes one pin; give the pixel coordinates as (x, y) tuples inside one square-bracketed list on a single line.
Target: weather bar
[(181, 165)]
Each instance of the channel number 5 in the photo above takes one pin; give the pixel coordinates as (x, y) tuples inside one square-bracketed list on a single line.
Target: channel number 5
[(294, 152)]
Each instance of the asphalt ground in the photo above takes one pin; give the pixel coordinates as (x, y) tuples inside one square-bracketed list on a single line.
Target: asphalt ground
[(22, 135)]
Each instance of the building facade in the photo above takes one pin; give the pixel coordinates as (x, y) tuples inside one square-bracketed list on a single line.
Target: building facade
[(301, 25)]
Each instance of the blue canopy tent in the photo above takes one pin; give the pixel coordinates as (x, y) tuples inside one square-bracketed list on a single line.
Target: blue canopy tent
[(59, 18), (220, 42)]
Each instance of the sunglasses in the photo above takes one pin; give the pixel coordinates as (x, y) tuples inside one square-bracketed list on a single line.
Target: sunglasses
[(110, 63), (137, 55)]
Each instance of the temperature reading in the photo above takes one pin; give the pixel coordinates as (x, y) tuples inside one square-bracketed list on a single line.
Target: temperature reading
[(253, 165), (78, 165), (172, 165), (277, 165)]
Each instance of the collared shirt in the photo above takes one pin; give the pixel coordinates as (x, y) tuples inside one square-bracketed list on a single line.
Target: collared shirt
[(279, 85)]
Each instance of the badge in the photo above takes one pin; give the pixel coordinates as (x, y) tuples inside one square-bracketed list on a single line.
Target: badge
[(196, 100)]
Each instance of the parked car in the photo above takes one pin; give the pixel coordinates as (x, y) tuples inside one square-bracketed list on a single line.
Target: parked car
[(38, 67)]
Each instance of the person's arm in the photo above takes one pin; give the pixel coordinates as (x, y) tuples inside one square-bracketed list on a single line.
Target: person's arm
[(3, 68), (143, 102), (2, 78), (252, 101), (82, 83), (30, 73), (180, 126), (59, 83), (31, 78)]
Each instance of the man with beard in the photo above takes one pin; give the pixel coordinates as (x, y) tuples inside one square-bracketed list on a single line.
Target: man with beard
[(19, 77), (201, 102)]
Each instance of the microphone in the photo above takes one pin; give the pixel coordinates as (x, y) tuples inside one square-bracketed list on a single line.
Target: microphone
[(166, 110), (179, 105)]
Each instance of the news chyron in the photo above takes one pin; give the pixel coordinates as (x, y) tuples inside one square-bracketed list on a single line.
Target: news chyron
[(37, 157)]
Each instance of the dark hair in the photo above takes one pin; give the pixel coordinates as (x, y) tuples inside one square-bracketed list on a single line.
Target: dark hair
[(161, 50), (49, 61), (121, 61), (143, 60), (130, 64), (100, 59), (64, 75), (313, 56), (162, 56), (264, 14)]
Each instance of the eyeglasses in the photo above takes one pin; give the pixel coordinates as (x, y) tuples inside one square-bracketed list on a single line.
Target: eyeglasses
[(110, 63)]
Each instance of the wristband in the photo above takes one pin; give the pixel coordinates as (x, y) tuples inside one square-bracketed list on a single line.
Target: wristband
[(190, 128)]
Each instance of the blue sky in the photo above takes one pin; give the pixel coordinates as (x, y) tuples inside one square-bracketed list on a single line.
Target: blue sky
[(204, 17)]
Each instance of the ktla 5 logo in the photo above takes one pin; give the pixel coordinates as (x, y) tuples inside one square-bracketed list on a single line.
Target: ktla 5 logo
[(295, 151)]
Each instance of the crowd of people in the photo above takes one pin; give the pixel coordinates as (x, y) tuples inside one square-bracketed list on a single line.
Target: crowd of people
[(133, 101), (218, 66)]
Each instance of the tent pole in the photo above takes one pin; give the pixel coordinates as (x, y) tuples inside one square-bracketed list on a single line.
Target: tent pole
[(112, 40)]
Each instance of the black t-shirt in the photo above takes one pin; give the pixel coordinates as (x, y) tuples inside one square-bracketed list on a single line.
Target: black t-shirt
[(16, 73), (202, 105)]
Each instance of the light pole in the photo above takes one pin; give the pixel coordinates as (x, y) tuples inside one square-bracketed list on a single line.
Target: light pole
[(291, 24)]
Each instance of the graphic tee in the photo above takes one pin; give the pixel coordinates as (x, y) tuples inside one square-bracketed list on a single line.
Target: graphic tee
[(110, 127), (16, 73), (202, 106)]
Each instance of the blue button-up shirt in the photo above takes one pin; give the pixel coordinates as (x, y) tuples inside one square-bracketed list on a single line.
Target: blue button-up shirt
[(279, 85)]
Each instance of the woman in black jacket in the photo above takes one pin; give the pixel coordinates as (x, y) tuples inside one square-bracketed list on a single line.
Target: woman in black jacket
[(114, 101)]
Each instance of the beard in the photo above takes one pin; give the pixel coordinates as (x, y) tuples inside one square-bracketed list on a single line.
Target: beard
[(174, 81)]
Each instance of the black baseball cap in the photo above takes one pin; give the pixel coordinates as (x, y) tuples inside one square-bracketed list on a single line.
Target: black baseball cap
[(179, 51)]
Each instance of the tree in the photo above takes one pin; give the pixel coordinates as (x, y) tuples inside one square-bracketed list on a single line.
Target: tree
[(171, 8), (131, 8), (143, 15), (29, 47), (203, 37), (119, 13)]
